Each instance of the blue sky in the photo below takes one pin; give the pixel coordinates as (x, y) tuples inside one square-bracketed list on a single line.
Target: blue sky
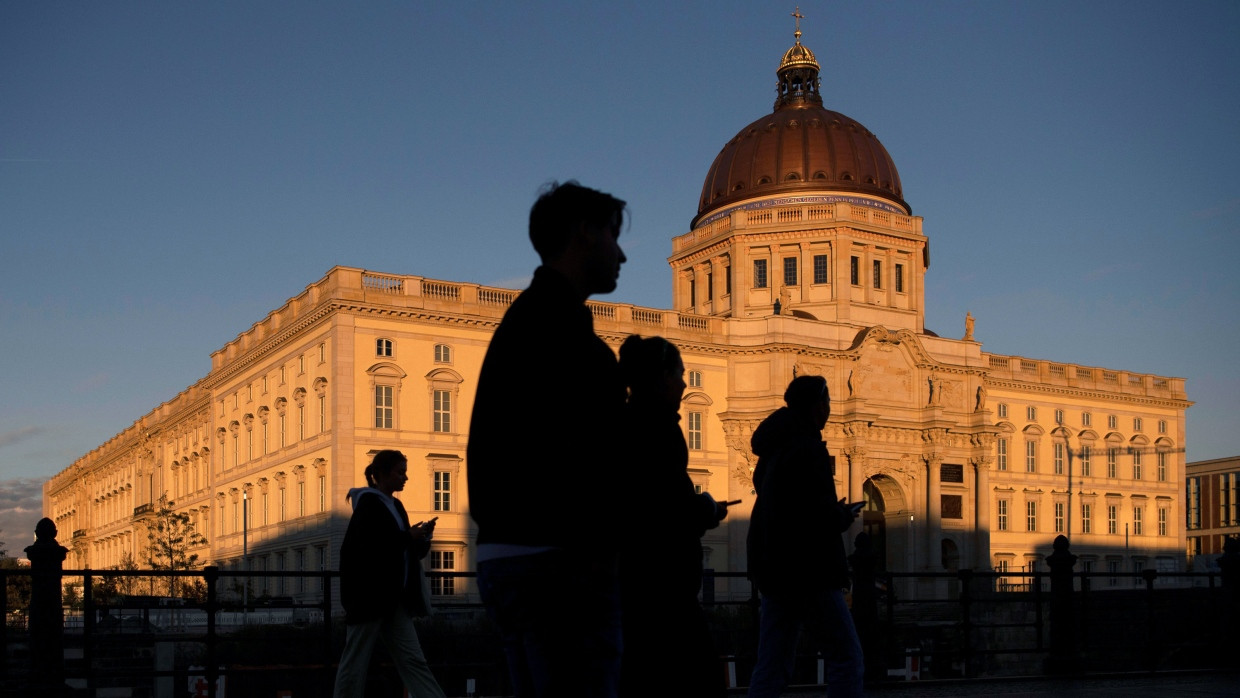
[(172, 171)]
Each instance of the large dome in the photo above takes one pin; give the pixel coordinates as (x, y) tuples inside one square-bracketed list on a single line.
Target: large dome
[(799, 148)]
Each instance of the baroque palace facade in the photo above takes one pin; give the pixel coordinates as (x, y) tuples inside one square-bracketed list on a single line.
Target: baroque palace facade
[(803, 258)]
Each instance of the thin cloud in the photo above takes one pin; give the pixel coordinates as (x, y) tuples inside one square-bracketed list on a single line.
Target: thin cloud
[(93, 383), (516, 282), (21, 507), (15, 436), (1223, 209), (1111, 270)]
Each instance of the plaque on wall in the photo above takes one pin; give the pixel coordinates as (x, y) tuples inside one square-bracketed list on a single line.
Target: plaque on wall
[(951, 472), (951, 506)]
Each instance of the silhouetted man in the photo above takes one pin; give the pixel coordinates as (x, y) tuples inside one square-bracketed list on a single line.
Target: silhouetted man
[(541, 458), (795, 546)]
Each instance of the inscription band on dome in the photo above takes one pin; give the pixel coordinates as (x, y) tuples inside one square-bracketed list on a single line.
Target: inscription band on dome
[(808, 199)]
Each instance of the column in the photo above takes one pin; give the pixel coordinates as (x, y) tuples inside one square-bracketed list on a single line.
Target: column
[(981, 508), (934, 502)]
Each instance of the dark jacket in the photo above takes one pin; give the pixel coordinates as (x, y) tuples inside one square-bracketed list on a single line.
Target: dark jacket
[(662, 546), (380, 570), (542, 438), (795, 543)]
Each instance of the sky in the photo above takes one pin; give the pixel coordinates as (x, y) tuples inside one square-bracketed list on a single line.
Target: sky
[(171, 171)]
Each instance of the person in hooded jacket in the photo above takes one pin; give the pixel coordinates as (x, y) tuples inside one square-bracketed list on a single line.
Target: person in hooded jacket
[(668, 649), (382, 586), (795, 545)]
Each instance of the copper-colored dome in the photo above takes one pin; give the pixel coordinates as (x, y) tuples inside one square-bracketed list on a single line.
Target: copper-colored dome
[(799, 148)]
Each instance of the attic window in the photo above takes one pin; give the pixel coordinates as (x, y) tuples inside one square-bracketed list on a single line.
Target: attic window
[(869, 180), (764, 180), (738, 186), (846, 177), (792, 177), (820, 175)]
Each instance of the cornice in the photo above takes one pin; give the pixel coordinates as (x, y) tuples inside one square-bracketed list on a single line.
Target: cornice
[(1066, 390)]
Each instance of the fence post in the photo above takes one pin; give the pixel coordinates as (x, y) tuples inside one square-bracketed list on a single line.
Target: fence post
[(865, 606), (966, 619), (211, 575), (1229, 565), (1063, 658), (47, 614)]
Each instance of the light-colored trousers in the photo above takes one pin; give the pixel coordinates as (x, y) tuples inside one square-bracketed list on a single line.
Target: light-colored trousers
[(401, 640)]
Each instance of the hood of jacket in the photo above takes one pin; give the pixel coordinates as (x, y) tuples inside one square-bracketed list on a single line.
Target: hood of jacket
[(776, 431)]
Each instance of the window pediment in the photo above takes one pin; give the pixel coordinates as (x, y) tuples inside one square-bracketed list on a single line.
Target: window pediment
[(386, 369), (697, 398)]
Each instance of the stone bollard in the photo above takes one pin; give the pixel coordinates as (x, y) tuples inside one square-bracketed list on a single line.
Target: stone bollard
[(865, 605), (1064, 658), (47, 615)]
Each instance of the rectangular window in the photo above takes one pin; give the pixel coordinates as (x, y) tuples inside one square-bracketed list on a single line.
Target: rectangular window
[(322, 413), (264, 508), (1060, 516), (1136, 465), (820, 269), (1059, 459), (1112, 519), (1162, 426), (1003, 515), (1085, 462), (1113, 569), (283, 504), (1138, 516), (790, 271), (1112, 422), (442, 491), (1087, 523), (854, 271), (299, 565), (1059, 416), (443, 561), (692, 293), (759, 273), (1031, 414), (383, 347), (695, 379), (301, 364), (384, 406), (1163, 517), (301, 497), (695, 431), (301, 422), (727, 280), (1193, 502), (1111, 462), (1031, 516), (1137, 424), (322, 493), (878, 274), (322, 356), (1002, 462), (266, 448), (443, 411), (443, 354), (899, 278), (1003, 410), (710, 286), (1031, 456), (1162, 467), (283, 429), (1086, 419)]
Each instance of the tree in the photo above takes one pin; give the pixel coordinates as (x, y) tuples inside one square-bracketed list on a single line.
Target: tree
[(170, 538)]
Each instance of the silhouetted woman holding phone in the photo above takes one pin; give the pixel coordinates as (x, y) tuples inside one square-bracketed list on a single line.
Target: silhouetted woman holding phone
[(668, 648), (382, 586)]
